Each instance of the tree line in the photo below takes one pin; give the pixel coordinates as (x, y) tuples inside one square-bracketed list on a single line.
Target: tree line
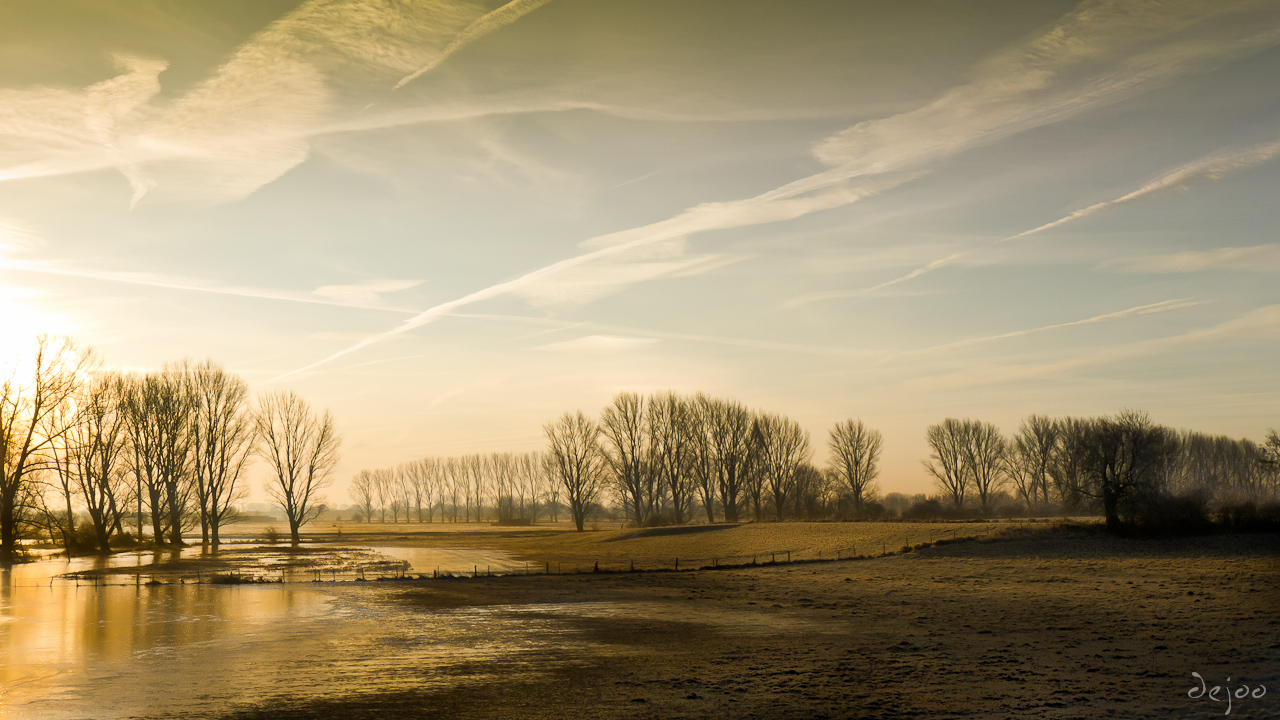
[(660, 458), (1127, 466), (502, 486), (666, 458), (163, 450)]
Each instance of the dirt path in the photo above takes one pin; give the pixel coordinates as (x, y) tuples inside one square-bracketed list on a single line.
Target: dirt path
[(1075, 626)]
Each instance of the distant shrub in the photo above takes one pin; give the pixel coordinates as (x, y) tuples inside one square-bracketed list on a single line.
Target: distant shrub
[(271, 534), (871, 511), (1250, 517), (926, 510), (1170, 514)]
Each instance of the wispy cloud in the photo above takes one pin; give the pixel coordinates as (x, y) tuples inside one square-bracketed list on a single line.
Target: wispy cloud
[(365, 299), (598, 344), (1097, 54), (366, 294), (1257, 258), (1213, 167), (1264, 322), (249, 122), (486, 24)]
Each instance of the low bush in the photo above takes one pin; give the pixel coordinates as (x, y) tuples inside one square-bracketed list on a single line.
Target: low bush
[(1250, 516)]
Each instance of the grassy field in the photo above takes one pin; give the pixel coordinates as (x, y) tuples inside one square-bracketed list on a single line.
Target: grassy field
[(1055, 625), (615, 548)]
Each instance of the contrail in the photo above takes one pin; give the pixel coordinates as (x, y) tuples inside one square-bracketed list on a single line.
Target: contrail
[(486, 24), (1138, 311), (696, 219), (1210, 168)]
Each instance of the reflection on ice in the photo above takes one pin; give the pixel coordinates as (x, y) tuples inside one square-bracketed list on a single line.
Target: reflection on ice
[(73, 648)]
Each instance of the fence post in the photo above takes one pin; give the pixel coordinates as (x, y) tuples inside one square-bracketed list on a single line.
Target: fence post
[(677, 563)]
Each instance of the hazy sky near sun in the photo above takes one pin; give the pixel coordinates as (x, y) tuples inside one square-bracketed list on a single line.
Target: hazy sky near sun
[(451, 221)]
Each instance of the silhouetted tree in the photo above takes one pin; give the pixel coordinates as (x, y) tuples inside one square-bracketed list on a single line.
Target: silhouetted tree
[(1030, 455), (947, 464), (364, 492), (1124, 461), (221, 440), (703, 463), (31, 409), (574, 458), (302, 448), (784, 448), (627, 450), (160, 412), (984, 459), (95, 454), (729, 427), (672, 425), (855, 453)]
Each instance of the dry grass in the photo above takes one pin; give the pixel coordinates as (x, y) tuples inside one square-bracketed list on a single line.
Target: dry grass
[(1043, 625), (692, 545)]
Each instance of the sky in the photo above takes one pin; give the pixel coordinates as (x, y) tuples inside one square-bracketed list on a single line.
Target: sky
[(449, 222)]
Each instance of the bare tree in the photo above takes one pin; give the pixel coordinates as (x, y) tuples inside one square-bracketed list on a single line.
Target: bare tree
[(476, 481), (418, 475), (1271, 462), (96, 458), (63, 458), (1124, 461), (383, 483), (703, 464), (365, 492), (855, 453), (29, 415), (1030, 457), (455, 477), (729, 426), (784, 447), (574, 458), (984, 459), (627, 450), (753, 470), (302, 449), (502, 468), (947, 465), (671, 426), (222, 441), (160, 412)]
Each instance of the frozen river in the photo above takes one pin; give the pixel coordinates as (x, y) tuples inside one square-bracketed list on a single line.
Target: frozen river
[(75, 649)]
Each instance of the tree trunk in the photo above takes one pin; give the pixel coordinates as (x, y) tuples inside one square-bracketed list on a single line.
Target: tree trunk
[(1110, 507), (8, 528), (175, 514)]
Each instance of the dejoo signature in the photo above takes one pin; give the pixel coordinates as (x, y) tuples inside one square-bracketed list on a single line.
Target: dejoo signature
[(1217, 694)]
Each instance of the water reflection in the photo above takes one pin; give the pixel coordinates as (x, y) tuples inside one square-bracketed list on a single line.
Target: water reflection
[(125, 648)]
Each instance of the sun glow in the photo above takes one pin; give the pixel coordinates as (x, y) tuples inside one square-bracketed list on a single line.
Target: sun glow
[(22, 318)]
